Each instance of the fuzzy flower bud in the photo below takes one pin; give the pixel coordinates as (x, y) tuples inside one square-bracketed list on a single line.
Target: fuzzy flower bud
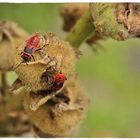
[(53, 56), (61, 114)]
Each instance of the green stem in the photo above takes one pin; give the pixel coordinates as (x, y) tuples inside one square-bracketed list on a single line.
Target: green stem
[(79, 33)]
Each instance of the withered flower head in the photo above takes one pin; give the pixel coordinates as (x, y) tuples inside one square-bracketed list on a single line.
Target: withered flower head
[(128, 14), (119, 21), (62, 114)]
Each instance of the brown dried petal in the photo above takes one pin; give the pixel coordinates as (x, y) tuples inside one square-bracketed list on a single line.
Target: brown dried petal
[(128, 14)]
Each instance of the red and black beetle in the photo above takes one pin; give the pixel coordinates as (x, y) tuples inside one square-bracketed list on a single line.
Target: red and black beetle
[(32, 45), (54, 78), (58, 81)]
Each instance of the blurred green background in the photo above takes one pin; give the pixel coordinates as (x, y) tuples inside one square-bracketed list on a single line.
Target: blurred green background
[(111, 77)]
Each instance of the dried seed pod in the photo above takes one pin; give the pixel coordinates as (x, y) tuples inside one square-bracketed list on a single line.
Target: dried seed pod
[(128, 14), (105, 22), (57, 55), (62, 114), (11, 35), (119, 21)]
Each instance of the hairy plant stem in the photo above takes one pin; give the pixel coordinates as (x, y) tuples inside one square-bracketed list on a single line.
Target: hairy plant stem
[(81, 31)]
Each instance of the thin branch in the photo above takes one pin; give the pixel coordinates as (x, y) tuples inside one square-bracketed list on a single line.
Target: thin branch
[(3, 83)]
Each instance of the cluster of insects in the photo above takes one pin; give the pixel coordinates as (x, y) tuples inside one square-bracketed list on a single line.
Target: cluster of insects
[(51, 76)]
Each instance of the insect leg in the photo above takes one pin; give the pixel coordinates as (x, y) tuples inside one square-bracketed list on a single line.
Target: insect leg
[(40, 48), (33, 57), (20, 53)]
